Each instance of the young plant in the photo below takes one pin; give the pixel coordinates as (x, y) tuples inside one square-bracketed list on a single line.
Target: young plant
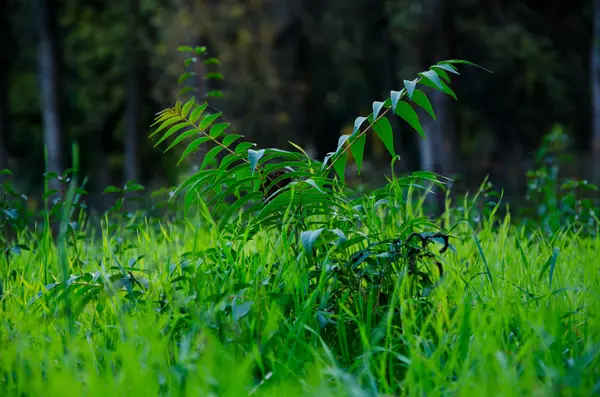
[(555, 203), (360, 249), (14, 220), (266, 184)]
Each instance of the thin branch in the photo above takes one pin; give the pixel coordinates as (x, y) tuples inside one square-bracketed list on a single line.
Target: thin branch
[(208, 135), (369, 127)]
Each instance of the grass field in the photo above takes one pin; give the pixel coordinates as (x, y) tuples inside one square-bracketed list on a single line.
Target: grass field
[(512, 315)]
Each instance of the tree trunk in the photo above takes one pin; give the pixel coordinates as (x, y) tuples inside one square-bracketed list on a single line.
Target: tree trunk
[(427, 144), (436, 149), (100, 143), (132, 108), (436, 154), (322, 124), (49, 61), (595, 82), (4, 70)]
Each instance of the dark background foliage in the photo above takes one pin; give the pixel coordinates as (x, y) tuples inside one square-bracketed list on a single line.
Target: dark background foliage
[(95, 72)]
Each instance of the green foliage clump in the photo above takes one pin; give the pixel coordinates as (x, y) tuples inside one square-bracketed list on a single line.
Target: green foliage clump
[(268, 183), (553, 202), (256, 191)]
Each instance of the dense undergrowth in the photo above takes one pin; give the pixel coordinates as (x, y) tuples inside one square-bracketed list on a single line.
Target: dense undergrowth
[(271, 277), (513, 315)]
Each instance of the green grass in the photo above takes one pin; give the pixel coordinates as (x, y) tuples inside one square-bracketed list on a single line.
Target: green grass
[(513, 316)]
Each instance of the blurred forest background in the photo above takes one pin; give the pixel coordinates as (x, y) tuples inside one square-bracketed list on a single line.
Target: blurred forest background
[(97, 71)]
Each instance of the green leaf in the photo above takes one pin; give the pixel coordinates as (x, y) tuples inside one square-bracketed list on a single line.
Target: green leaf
[(241, 310), (341, 142), (193, 146), (227, 160), (445, 87), (162, 117), (189, 61), (185, 48), (212, 153), (357, 123), (410, 87), (11, 213), (195, 180), (171, 131), (299, 148), (488, 271), (377, 106), (341, 236), (238, 205), (231, 188), (322, 321), (214, 76), (133, 186), (358, 149), (242, 147), (309, 238), (395, 96), (328, 156), (200, 50), (446, 67), (186, 108), (340, 167), (166, 124), (409, 115), (234, 173), (434, 78), (163, 112), (550, 264), (290, 175), (460, 61), (383, 129), (445, 77), (184, 77), (285, 154), (340, 162), (421, 99), (112, 189), (212, 61), (185, 90), (196, 113), (180, 138), (253, 157), (229, 139), (427, 175), (208, 120), (217, 129)]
